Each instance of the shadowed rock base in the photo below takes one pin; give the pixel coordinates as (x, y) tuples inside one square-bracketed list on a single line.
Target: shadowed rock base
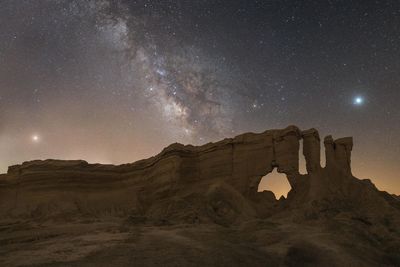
[(199, 206)]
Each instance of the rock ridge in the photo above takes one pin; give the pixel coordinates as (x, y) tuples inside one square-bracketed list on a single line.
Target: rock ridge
[(233, 166), (209, 190)]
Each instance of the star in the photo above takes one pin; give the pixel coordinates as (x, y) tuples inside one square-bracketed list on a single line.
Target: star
[(358, 100)]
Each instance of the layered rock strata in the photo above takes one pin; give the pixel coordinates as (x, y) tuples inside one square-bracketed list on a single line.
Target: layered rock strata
[(215, 182)]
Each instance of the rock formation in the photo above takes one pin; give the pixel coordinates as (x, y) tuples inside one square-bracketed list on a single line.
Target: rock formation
[(213, 184), (311, 150)]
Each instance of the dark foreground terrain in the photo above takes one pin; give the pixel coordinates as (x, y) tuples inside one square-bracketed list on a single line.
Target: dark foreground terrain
[(199, 206)]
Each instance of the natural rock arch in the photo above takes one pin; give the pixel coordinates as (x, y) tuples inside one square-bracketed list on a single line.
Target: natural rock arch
[(275, 182)]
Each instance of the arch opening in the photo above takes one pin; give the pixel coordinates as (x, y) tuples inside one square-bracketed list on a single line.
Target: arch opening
[(275, 182), (302, 160), (323, 158)]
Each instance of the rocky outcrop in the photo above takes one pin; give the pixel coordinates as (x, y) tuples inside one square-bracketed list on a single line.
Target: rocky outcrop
[(189, 177), (213, 184)]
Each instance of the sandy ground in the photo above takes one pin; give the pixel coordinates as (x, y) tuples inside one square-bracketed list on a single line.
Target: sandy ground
[(118, 243)]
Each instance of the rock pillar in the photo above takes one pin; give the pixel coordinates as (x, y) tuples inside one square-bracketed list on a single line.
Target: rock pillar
[(338, 153), (311, 150), (343, 147)]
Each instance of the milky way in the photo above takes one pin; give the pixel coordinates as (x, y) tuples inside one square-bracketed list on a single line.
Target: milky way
[(116, 81)]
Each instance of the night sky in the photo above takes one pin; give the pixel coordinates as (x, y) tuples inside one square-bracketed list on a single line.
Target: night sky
[(116, 81)]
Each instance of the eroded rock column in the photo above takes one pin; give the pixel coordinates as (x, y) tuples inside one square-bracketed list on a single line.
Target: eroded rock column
[(311, 150), (343, 147), (329, 151), (338, 153)]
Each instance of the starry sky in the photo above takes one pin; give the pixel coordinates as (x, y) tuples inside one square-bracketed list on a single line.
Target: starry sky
[(114, 81)]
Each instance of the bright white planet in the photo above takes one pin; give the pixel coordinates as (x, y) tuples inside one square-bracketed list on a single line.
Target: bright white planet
[(358, 100), (35, 138)]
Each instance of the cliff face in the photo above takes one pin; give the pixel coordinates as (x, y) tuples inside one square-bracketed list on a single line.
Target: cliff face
[(215, 182), (199, 206)]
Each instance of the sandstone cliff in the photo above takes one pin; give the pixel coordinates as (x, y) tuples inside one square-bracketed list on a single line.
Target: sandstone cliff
[(212, 184)]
